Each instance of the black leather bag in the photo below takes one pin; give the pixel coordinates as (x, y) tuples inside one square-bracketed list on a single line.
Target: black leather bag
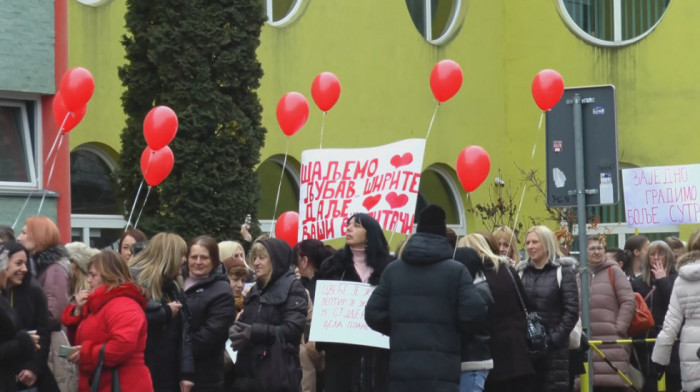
[(95, 387), (536, 332), (278, 368)]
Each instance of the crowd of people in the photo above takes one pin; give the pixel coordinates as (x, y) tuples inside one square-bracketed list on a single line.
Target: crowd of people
[(164, 314)]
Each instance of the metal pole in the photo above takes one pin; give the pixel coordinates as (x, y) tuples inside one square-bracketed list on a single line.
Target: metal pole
[(581, 215)]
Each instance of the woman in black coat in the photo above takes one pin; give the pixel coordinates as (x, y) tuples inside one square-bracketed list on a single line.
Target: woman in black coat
[(157, 271), (363, 259), (28, 300), (272, 322), (658, 274), (209, 308), (556, 302)]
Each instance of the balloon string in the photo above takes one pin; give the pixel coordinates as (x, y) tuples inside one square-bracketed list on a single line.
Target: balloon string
[(279, 187), (60, 133), (323, 120), (138, 192), (391, 237), (48, 180), (430, 127), (466, 201), (534, 147), (517, 215), (22, 209), (143, 205)]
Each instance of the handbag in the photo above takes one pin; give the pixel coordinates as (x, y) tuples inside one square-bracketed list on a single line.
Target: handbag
[(643, 320), (277, 368), (95, 387), (575, 334), (536, 333)]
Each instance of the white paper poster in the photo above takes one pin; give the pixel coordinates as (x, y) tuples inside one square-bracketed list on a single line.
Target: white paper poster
[(662, 195), (380, 181), (339, 314)]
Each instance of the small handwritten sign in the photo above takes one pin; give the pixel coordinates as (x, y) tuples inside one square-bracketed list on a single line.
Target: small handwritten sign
[(380, 181), (339, 314), (662, 195)]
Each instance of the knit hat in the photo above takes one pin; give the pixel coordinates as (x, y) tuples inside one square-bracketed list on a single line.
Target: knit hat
[(432, 220), (80, 254)]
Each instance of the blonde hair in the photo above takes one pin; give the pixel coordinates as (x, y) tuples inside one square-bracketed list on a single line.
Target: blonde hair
[(228, 248), (482, 248), (547, 238), (162, 259), (79, 255), (259, 250), (668, 253), (505, 234)]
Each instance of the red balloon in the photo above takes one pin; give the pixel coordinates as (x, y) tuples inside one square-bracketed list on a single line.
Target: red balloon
[(287, 227), (292, 112), (325, 90), (160, 127), (547, 88), (156, 165), (77, 86), (445, 80), (473, 165), (61, 114)]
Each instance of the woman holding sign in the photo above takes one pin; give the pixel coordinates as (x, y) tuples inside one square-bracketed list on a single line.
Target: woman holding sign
[(363, 259), (268, 333)]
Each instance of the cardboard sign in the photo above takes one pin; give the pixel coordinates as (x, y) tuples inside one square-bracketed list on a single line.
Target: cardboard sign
[(380, 181), (339, 314), (662, 195)]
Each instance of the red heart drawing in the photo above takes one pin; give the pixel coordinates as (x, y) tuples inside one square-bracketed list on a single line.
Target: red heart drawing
[(396, 201), (401, 160), (371, 201)]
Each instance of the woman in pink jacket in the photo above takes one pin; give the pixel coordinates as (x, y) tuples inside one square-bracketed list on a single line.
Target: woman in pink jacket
[(612, 309), (110, 316)]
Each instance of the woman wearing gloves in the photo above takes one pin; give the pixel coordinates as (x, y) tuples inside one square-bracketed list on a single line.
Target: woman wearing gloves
[(268, 333)]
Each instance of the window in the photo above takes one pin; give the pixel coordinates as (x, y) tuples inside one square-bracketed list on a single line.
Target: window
[(17, 164), (91, 184), (613, 22), (436, 20), (283, 12), (437, 186), (93, 3), (269, 174)]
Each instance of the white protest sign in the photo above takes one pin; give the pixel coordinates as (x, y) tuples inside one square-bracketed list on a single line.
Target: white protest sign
[(662, 195), (339, 314), (380, 181)]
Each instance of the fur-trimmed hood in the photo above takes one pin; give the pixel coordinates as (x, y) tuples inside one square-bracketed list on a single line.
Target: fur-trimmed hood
[(690, 269), (565, 262), (688, 258)]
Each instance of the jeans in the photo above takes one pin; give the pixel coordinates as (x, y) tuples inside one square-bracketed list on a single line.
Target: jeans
[(473, 381)]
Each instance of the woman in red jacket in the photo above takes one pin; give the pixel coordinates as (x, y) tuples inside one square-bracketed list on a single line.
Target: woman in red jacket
[(111, 315)]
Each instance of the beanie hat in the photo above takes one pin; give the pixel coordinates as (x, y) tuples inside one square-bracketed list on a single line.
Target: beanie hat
[(79, 254), (432, 220)]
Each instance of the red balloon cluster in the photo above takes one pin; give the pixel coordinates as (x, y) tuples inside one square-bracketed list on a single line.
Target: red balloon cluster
[(70, 102), (473, 166), (159, 129), (292, 112), (445, 80), (547, 88), (287, 227), (325, 90)]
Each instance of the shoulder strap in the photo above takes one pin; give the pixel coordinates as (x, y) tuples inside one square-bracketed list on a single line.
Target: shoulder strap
[(559, 276), (517, 290)]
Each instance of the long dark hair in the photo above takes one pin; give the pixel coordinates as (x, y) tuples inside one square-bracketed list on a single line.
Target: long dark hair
[(314, 250), (376, 246)]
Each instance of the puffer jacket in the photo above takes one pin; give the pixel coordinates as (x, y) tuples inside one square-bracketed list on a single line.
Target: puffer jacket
[(611, 314), (426, 302), (279, 308), (558, 307), (683, 315)]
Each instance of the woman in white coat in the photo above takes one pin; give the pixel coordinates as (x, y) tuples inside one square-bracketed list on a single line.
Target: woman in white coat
[(684, 306)]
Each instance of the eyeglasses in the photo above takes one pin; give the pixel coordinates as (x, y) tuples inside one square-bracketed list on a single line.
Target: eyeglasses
[(656, 255), (596, 249)]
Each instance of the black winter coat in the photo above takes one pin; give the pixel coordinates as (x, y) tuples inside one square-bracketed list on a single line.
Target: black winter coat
[(210, 305), (15, 347), (344, 370), (163, 354), (476, 352), (425, 302), (277, 310), (558, 307), (511, 357), (29, 303)]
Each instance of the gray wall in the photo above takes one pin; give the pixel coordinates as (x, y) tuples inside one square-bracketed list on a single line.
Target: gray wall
[(27, 46)]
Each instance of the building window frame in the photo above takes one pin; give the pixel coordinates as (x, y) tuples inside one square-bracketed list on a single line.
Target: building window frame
[(294, 12), (454, 21), (617, 26), (456, 195), (31, 140)]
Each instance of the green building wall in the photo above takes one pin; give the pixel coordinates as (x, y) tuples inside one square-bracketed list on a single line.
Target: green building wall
[(384, 64)]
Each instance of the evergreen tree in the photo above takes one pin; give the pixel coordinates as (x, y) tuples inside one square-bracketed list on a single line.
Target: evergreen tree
[(197, 57)]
